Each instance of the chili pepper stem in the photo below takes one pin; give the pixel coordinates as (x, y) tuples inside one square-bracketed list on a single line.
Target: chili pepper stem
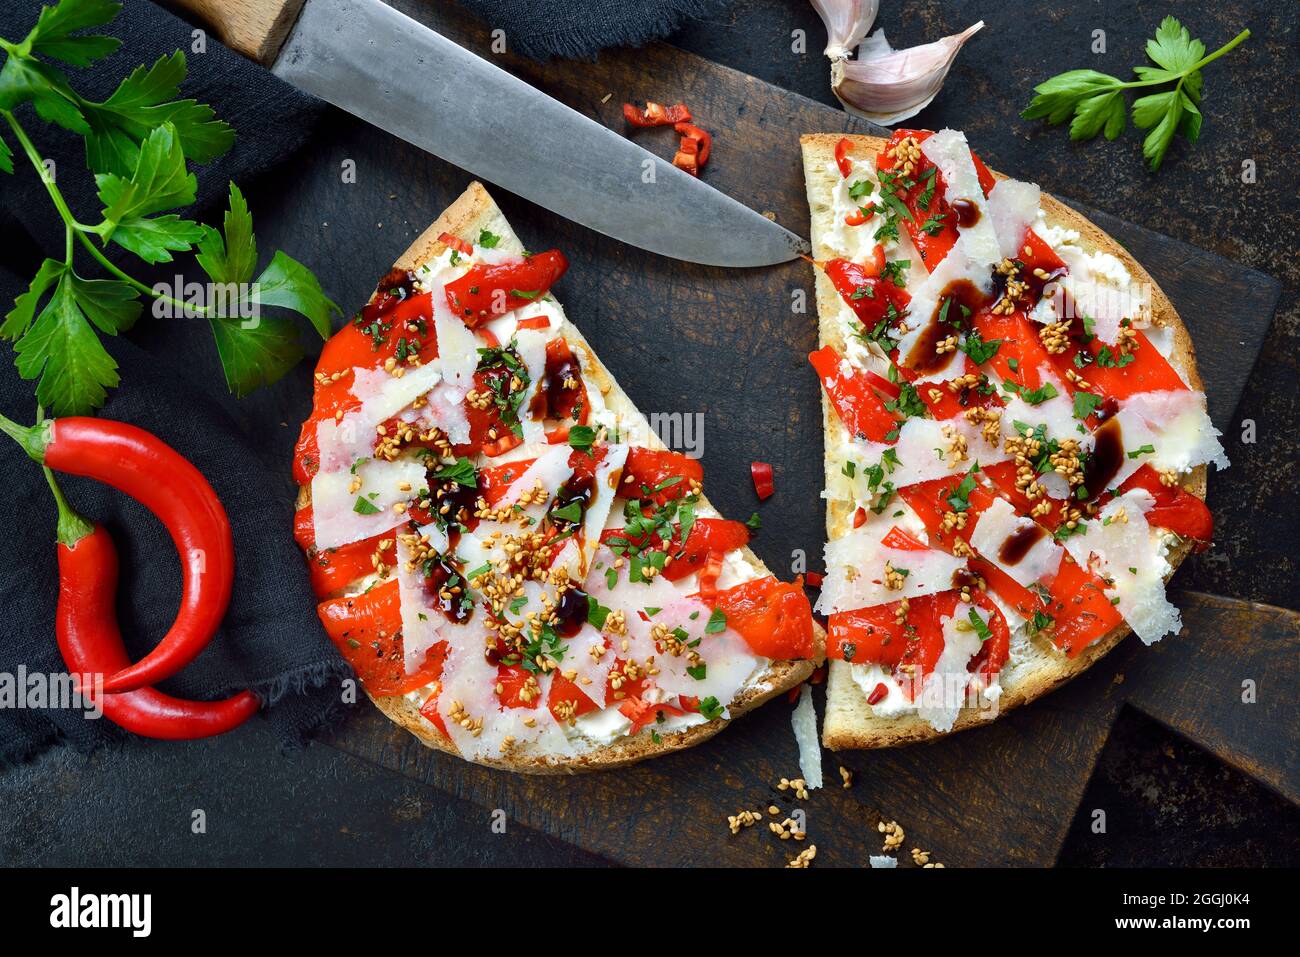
[(32, 438), (72, 526)]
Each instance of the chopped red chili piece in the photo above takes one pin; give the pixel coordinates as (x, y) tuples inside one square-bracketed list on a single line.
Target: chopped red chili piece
[(656, 114), (456, 243), (761, 472)]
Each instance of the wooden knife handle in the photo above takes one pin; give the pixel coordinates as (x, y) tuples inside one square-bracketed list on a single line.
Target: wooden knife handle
[(255, 28)]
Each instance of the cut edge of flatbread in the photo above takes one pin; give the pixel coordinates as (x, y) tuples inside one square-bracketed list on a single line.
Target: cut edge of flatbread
[(849, 722)]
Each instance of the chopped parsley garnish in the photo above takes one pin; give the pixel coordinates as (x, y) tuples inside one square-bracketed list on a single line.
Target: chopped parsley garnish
[(717, 622), (933, 226), (710, 708), (364, 506), (462, 473), (959, 500), (979, 349), (698, 672), (504, 366), (1143, 450), (896, 272), (980, 627), (927, 194), (582, 438), (1085, 403), (753, 523), (909, 403), (1042, 621), (488, 240), (1040, 395)]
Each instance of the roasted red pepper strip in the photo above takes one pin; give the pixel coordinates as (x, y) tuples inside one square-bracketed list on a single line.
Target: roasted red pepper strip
[(91, 644), (773, 617), (162, 480), (333, 568), (872, 299), (489, 291), (707, 536), (367, 630), (857, 405), (761, 473), (647, 469)]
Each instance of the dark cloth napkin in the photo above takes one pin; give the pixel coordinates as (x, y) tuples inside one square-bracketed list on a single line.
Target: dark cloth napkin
[(577, 29), (172, 386)]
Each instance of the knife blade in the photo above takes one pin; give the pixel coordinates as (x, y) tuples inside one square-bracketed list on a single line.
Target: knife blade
[(397, 74)]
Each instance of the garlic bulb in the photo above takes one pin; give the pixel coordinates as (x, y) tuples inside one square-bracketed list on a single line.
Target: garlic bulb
[(885, 85), (847, 22)]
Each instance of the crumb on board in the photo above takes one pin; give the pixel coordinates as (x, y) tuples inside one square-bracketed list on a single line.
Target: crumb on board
[(846, 776)]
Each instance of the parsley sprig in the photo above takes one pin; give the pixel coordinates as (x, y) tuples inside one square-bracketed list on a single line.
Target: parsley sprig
[(1096, 100), (139, 143)]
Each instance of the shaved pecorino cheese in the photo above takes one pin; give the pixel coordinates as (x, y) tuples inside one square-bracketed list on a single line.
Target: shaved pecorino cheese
[(949, 151), (457, 347), (804, 721), (716, 667), (920, 442), (944, 692), (855, 571), (549, 472), (1018, 546), (1122, 547), (531, 346), (346, 514), (1013, 206), (1185, 435)]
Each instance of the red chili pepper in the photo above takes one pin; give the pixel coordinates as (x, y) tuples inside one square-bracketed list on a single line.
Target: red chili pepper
[(656, 114), (878, 694), (162, 480), (89, 640), (842, 156), (710, 574), (814, 579), (703, 140), (761, 473), (456, 243), (685, 157)]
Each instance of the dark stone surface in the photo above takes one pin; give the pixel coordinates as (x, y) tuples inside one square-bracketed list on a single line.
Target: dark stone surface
[(319, 806)]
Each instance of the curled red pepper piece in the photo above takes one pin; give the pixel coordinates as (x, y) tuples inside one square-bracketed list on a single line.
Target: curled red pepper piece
[(133, 461), (489, 291), (656, 114), (761, 473), (90, 642)]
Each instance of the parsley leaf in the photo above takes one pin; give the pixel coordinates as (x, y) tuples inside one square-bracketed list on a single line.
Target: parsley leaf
[(1085, 403), (710, 708), (61, 349), (461, 472), (1096, 100)]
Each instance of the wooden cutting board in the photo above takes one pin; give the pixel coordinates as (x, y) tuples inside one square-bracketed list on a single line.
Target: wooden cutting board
[(732, 345)]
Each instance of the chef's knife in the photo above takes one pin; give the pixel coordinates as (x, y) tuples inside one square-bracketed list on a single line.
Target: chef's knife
[(395, 73)]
